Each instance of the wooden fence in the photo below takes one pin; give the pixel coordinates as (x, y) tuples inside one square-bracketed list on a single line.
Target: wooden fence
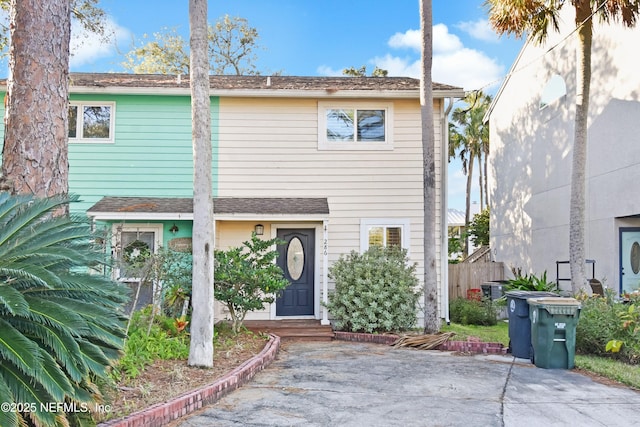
[(463, 277)]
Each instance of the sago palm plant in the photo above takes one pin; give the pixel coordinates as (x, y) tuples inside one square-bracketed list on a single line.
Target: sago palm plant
[(60, 322)]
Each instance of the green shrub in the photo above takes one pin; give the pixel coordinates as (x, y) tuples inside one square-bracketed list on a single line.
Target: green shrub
[(601, 320), (247, 277), (473, 312), (374, 292), (530, 282), (145, 344)]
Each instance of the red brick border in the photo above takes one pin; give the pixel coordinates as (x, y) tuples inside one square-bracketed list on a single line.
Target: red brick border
[(470, 346), (163, 413)]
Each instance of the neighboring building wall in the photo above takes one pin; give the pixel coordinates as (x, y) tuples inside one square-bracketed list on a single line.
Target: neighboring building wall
[(531, 154)]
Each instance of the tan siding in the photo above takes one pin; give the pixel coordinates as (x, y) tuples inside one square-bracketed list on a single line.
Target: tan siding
[(269, 148)]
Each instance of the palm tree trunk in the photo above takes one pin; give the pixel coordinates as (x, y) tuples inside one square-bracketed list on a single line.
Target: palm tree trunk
[(578, 172), (201, 346), (480, 181), (467, 213), (431, 319)]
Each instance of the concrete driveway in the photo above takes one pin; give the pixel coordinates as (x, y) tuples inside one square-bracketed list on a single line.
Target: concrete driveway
[(359, 384)]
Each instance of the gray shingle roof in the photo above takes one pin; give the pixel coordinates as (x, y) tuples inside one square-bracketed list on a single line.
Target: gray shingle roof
[(125, 80), (222, 205)]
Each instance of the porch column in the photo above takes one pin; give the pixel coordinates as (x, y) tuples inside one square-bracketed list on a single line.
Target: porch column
[(325, 272)]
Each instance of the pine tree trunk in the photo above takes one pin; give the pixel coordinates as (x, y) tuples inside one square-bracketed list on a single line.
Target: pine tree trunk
[(201, 346), (431, 318), (34, 157), (578, 171)]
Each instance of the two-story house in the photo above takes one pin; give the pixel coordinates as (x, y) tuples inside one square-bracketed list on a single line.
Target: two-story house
[(329, 165)]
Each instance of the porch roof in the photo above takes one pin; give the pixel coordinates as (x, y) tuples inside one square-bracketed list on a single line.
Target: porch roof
[(175, 208)]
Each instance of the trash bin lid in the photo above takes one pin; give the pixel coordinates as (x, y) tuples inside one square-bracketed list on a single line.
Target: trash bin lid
[(556, 305), (553, 301), (529, 294)]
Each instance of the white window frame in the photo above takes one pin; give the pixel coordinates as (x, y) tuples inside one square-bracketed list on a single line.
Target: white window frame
[(324, 144), (118, 228), (368, 223), (80, 122)]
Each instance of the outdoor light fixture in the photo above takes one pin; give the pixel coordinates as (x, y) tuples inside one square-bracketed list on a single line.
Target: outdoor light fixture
[(174, 229), (259, 229)]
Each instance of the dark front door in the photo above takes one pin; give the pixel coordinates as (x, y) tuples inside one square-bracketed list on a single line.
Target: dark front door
[(296, 258)]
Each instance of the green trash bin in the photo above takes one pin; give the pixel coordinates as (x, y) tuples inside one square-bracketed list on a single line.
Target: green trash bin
[(553, 331)]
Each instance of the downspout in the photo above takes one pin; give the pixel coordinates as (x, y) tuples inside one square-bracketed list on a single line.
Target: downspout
[(444, 224)]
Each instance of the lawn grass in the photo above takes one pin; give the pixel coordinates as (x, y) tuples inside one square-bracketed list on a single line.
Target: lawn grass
[(610, 368), (498, 333), (606, 367)]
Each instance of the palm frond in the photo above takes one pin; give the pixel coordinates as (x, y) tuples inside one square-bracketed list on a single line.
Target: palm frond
[(25, 213), (7, 418), (95, 358), (59, 342), (55, 315), (60, 325), (53, 379), (12, 301), (26, 391), (17, 349)]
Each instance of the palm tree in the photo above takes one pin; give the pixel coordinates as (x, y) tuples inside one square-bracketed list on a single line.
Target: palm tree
[(60, 327), (469, 139), (431, 319), (535, 17), (201, 347)]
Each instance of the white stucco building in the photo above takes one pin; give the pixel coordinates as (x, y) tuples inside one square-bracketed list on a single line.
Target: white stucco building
[(531, 137)]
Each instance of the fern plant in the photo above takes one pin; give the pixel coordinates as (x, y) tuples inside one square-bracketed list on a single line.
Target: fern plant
[(60, 327)]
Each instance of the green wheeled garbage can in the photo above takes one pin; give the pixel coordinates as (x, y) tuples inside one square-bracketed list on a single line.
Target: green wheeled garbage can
[(553, 331), (519, 323)]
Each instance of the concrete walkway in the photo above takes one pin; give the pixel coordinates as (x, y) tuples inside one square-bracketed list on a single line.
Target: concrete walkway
[(359, 384)]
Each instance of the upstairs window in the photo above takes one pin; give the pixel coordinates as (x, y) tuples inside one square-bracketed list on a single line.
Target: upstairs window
[(354, 127), (91, 122), (386, 232)]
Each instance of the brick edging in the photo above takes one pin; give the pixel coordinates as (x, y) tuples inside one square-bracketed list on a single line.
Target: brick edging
[(470, 346), (163, 413)]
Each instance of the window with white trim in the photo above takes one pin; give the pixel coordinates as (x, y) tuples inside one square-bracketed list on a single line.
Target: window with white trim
[(384, 232), (355, 126), (91, 121)]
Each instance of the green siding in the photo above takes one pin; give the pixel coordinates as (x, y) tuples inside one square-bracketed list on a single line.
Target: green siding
[(151, 154)]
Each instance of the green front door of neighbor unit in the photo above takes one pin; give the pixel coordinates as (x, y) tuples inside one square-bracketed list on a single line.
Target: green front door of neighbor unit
[(629, 259)]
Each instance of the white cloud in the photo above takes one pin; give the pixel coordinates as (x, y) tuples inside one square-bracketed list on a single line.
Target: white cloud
[(453, 63), (480, 29), (325, 70), (411, 39), (87, 47), (443, 41)]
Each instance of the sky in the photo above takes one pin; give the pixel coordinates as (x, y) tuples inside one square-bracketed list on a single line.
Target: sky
[(322, 37)]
